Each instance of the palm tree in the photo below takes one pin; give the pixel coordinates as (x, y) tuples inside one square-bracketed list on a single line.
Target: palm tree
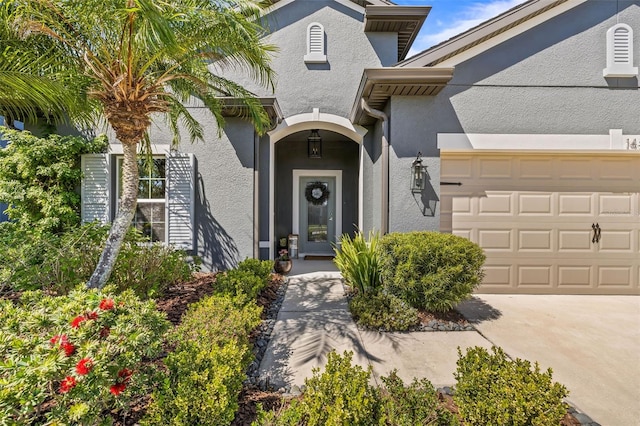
[(34, 82), (146, 58)]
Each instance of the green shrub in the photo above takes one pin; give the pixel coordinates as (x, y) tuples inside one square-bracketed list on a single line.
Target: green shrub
[(58, 263), (259, 268), (77, 355), (207, 367), (240, 283), (39, 178), (430, 270), (382, 311), (416, 404), (492, 390), (341, 395), (358, 261)]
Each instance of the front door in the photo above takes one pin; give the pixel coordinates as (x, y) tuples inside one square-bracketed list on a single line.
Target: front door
[(318, 216)]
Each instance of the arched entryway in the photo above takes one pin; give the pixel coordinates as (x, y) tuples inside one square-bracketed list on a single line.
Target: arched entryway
[(335, 178)]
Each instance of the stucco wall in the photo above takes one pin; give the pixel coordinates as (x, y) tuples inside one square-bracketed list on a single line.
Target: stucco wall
[(224, 190), (549, 79), (332, 86)]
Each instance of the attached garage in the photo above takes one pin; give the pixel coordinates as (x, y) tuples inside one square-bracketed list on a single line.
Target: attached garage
[(549, 222)]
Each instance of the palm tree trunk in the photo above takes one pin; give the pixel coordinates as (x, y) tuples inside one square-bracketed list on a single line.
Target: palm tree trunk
[(122, 221)]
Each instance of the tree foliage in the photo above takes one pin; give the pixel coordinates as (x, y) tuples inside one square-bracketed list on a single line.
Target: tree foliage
[(39, 178)]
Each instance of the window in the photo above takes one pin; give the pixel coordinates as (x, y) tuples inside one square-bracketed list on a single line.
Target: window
[(166, 196), (315, 44), (150, 216), (620, 52)]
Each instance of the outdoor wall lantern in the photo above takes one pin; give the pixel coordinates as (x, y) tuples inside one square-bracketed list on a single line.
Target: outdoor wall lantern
[(314, 145), (418, 174)]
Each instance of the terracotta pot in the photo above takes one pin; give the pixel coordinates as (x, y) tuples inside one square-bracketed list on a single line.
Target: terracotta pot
[(282, 266)]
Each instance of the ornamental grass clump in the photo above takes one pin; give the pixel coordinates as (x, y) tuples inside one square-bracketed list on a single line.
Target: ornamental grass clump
[(358, 261), (73, 359), (430, 270)]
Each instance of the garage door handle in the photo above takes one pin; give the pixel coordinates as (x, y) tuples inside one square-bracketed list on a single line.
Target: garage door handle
[(596, 233)]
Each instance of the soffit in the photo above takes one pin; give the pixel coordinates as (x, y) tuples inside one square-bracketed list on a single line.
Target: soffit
[(379, 84), (485, 31), (406, 21), (234, 107)]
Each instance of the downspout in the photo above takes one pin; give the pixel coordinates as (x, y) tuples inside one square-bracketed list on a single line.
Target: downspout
[(256, 195), (379, 115)]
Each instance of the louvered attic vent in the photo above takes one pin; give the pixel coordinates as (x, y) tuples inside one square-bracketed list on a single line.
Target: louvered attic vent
[(620, 52), (315, 44)]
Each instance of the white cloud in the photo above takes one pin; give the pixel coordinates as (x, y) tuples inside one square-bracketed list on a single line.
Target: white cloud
[(474, 14)]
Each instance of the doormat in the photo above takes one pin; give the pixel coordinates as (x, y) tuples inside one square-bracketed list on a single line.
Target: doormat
[(318, 257)]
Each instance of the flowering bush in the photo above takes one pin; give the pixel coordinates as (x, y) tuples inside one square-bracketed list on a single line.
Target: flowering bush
[(80, 354)]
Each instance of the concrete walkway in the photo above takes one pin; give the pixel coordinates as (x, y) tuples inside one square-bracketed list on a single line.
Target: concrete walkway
[(591, 342)]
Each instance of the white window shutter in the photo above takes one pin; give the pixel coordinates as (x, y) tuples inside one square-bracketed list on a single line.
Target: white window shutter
[(96, 188), (180, 200), (315, 44), (620, 52)]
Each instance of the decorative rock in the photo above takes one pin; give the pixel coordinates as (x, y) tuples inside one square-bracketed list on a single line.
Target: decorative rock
[(295, 390)]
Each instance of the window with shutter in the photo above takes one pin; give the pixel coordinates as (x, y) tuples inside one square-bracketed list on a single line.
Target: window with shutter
[(315, 44), (166, 192), (620, 52)]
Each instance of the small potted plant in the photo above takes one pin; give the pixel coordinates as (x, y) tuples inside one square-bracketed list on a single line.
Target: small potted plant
[(283, 262)]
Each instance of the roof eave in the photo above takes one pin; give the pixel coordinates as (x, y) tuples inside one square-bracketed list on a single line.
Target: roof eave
[(404, 20), (377, 85)]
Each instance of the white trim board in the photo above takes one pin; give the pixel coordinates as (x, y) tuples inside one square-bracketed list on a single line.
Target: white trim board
[(615, 140), (295, 210)]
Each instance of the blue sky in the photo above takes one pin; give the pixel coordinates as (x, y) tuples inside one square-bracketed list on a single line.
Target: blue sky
[(451, 17)]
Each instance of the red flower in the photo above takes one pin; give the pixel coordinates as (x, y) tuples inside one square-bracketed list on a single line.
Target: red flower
[(68, 348), (67, 384), (117, 388), (75, 323), (92, 315), (125, 374), (62, 338), (105, 332), (106, 304), (84, 366)]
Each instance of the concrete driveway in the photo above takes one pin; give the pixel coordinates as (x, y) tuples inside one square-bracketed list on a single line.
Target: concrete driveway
[(592, 343)]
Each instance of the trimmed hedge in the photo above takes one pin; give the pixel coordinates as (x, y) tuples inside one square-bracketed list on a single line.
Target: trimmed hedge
[(493, 390), (207, 367), (430, 270)]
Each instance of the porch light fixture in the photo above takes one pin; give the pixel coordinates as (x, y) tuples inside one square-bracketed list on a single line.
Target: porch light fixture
[(314, 145), (418, 174)]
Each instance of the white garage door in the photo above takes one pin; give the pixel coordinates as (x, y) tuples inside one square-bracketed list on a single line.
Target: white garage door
[(561, 224)]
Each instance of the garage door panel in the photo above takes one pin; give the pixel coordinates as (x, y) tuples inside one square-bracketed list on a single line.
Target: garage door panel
[(622, 169), (536, 168), (535, 204), (575, 169), (575, 240), (535, 240), (616, 241), (616, 205), (615, 276), (498, 275), (495, 168), (496, 204), (576, 205), (575, 276), (534, 276), (495, 239)]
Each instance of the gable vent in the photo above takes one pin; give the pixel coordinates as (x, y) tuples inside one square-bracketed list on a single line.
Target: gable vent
[(315, 44), (620, 52)]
